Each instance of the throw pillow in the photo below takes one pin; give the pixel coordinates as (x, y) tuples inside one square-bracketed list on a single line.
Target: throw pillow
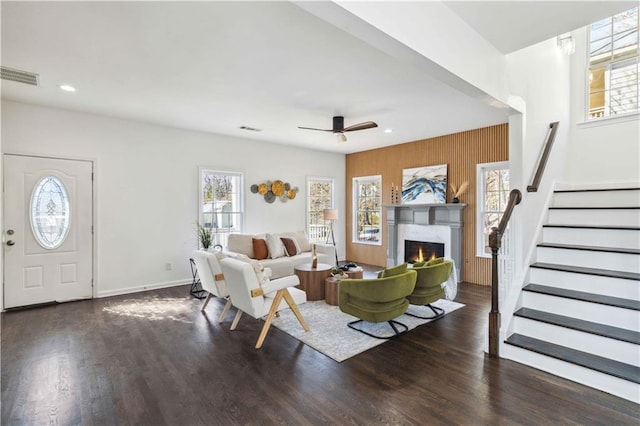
[(290, 246), (435, 261), (418, 264), (303, 241), (260, 250), (275, 246), (392, 271)]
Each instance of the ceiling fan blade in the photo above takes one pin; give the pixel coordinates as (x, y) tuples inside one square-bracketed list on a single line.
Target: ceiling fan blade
[(313, 128), (361, 126)]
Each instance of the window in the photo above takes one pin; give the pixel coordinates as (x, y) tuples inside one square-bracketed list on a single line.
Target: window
[(50, 212), (221, 208), (319, 197), (493, 196), (367, 217), (613, 65)]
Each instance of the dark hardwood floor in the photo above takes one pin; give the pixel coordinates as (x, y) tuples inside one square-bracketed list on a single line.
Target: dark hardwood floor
[(153, 359)]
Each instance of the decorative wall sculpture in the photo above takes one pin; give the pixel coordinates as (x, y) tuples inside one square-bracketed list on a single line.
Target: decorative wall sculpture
[(276, 189)]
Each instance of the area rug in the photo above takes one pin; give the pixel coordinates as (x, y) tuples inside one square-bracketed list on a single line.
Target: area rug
[(328, 332)]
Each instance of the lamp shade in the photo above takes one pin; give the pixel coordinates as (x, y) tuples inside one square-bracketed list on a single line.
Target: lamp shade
[(330, 214)]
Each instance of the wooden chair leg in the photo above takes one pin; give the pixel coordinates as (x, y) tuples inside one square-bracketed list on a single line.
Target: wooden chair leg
[(294, 308), (204, 305), (234, 324), (225, 310), (267, 322)]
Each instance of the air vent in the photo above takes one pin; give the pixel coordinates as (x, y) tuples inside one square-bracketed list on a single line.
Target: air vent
[(251, 129), (19, 76)]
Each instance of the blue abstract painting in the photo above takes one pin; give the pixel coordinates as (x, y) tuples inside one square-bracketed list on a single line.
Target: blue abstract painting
[(424, 185)]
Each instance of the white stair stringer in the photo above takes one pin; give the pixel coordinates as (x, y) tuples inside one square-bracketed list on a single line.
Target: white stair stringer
[(586, 376)]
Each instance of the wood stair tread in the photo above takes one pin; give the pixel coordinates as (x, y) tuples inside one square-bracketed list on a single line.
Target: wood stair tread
[(596, 208), (594, 362), (590, 248), (589, 271), (604, 227), (584, 296), (595, 190), (595, 328)]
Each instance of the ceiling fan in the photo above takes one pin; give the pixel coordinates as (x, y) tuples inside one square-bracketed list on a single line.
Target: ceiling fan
[(339, 130)]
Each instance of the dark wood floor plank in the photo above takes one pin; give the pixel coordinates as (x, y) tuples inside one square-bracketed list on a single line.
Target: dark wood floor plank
[(109, 361)]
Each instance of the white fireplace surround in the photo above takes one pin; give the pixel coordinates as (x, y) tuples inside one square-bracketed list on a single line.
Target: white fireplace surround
[(440, 223), (423, 233)]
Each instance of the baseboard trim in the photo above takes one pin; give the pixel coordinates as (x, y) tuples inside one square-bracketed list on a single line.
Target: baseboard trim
[(137, 289)]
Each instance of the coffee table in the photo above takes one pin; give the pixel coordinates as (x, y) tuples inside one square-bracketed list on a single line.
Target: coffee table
[(312, 280)]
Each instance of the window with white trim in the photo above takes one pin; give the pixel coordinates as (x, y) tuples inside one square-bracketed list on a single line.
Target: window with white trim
[(319, 197), (367, 209), (221, 206), (492, 198), (613, 65)]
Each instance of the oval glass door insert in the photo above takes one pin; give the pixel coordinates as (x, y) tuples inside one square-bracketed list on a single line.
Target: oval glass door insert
[(50, 212)]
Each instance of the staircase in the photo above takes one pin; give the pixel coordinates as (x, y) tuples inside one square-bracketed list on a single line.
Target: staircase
[(580, 312)]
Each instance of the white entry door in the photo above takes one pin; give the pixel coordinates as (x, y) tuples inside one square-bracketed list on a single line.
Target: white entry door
[(48, 234)]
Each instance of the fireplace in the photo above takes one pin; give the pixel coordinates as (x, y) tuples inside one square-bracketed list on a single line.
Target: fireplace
[(419, 251)]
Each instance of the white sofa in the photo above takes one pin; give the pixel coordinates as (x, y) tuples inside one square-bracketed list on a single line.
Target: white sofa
[(278, 261)]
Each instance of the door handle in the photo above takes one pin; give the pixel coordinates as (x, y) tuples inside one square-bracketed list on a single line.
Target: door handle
[(11, 243)]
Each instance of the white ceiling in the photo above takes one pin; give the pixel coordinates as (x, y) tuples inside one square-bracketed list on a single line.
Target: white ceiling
[(216, 66)]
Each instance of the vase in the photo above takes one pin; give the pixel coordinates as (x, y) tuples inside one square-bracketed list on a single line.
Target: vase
[(455, 200), (314, 257)]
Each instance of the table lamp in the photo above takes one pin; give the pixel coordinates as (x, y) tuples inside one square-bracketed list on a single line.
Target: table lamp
[(331, 215)]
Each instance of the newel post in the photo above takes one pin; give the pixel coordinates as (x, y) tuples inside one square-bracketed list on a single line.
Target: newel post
[(494, 315)]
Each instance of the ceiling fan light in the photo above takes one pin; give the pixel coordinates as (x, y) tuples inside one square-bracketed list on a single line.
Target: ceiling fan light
[(341, 137)]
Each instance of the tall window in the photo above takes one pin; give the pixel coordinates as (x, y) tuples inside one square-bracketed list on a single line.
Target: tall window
[(613, 65), (367, 217), (492, 198), (319, 197), (221, 208)]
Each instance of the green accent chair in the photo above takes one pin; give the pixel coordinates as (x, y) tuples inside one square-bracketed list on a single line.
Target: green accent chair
[(377, 300), (429, 286)]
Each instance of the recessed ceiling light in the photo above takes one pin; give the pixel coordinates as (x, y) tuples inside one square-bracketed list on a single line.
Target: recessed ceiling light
[(67, 88), (388, 130)]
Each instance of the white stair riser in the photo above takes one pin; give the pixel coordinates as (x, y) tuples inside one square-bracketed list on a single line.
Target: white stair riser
[(606, 383), (595, 217), (590, 259), (595, 312), (626, 198), (614, 287), (615, 238), (617, 350)]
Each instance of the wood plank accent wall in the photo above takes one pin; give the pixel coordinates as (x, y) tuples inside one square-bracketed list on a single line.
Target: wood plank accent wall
[(461, 152)]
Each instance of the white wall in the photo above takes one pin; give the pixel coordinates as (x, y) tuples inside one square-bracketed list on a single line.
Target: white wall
[(147, 186), (605, 151)]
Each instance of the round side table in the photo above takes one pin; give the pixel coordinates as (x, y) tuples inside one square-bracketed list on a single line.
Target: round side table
[(312, 280), (331, 286)]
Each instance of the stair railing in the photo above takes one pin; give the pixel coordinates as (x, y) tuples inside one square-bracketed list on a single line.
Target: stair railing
[(551, 136), (495, 239)]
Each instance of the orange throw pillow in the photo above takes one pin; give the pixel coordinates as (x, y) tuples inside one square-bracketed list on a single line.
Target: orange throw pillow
[(260, 250)]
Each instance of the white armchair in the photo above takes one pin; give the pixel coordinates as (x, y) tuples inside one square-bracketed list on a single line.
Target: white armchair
[(212, 279), (249, 297)]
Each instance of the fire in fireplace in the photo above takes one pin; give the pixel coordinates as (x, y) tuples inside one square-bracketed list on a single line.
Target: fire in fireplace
[(419, 251)]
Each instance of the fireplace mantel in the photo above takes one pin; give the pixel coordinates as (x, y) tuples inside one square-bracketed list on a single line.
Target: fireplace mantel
[(426, 214)]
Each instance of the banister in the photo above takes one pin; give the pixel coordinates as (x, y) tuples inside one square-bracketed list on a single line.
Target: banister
[(495, 239), (551, 136)]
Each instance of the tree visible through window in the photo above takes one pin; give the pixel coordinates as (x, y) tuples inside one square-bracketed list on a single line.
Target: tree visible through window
[(319, 197), (493, 196), (367, 217), (613, 65), (221, 203)]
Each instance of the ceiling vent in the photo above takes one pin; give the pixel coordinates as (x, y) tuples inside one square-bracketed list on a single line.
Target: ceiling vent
[(19, 76)]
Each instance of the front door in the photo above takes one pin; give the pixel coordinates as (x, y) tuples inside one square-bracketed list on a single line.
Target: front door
[(48, 234)]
